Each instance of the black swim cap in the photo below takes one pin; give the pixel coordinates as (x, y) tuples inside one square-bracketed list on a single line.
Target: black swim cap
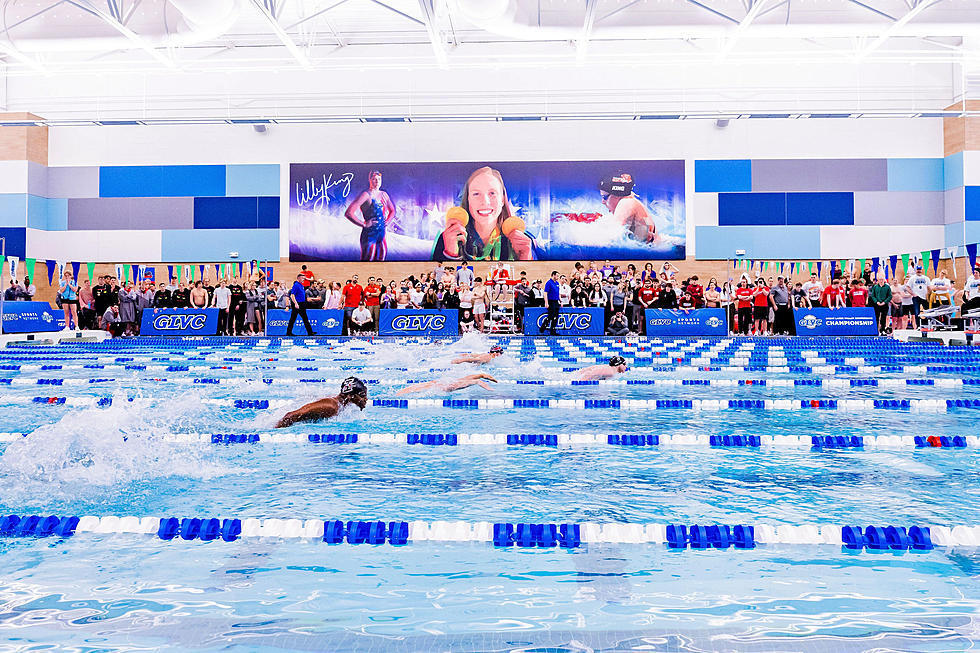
[(616, 361), (353, 386), (496, 349), (620, 184)]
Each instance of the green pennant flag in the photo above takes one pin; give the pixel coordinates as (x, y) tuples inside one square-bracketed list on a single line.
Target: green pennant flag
[(192, 273), (222, 271), (180, 273), (861, 267), (126, 273), (810, 266), (29, 267), (925, 259), (91, 272), (905, 265)]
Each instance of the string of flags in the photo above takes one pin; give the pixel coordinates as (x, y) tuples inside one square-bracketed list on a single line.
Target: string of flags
[(886, 265), (32, 268)]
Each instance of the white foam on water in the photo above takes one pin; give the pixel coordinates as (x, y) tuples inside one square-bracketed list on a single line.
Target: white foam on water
[(90, 449)]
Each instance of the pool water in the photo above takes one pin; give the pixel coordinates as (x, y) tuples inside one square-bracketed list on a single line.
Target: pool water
[(136, 592)]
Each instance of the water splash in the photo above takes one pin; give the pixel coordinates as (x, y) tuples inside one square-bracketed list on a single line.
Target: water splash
[(89, 450)]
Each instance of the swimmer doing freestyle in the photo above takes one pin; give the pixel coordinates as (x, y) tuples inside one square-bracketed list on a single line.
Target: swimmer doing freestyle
[(352, 391), (617, 196), (617, 365), (450, 386), (481, 359)]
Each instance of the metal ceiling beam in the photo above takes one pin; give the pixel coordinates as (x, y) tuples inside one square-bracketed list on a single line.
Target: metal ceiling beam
[(283, 35), (755, 10), (582, 45), (617, 10), (316, 14), (897, 25), (428, 9), (874, 10), (400, 13), (139, 41), (713, 10)]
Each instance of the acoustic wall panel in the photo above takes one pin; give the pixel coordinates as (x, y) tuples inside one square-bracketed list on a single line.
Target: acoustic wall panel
[(104, 213), (37, 179), (862, 241), (268, 212), (955, 234), (954, 209), (191, 245), (705, 209), (13, 210), (916, 175), (971, 203), (47, 214), (13, 177), (780, 243), (16, 240), (899, 208), (252, 180), (751, 209), (161, 181), (72, 182), (723, 176), (819, 174), (819, 208)]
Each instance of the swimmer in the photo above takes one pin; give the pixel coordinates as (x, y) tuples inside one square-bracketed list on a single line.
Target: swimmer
[(617, 196), (377, 211), (352, 391), (450, 386), (617, 365), (482, 359)]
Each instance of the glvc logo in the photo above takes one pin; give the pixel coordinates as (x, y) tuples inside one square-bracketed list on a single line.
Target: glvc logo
[(330, 323), (568, 321), (810, 322), (418, 323), (714, 322), (179, 322)]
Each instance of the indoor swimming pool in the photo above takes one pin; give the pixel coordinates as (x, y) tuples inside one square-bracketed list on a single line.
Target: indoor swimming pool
[(722, 495)]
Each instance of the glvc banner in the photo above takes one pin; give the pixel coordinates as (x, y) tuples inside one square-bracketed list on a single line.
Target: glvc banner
[(571, 321), (677, 322), (179, 322), (28, 317), (326, 322), (404, 322), (835, 322)]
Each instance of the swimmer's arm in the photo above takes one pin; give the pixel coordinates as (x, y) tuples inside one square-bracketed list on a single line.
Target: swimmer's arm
[(465, 358), (321, 409), (354, 208), (483, 385)]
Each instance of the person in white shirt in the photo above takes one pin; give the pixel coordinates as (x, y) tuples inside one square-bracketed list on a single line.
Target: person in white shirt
[(971, 291), (564, 291), (920, 291), (221, 301), (361, 318), (416, 295), (813, 289), (942, 290), (29, 289)]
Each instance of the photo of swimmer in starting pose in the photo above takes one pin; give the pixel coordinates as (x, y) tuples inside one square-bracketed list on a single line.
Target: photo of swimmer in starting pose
[(617, 196), (372, 210), (483, 226)]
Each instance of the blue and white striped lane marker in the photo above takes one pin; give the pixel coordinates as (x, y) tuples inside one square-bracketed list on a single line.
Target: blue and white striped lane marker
[(502, 534), (914, 405)]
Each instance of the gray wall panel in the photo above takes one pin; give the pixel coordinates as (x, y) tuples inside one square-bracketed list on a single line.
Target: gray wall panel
[(37, 179), (819, 174), (955, 205), (899, 208), (131, 213), (71, 182)]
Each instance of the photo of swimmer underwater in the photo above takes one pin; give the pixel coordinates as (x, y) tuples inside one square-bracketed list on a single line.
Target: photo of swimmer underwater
[(487, 211)]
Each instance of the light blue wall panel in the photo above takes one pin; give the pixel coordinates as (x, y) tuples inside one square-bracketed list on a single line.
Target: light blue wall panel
[(972, 230), (13, 209), (252, 180), (953, 171), (723, 176), (798, 242), (916, 174), (214, 245), (47, 214), (954, 234)]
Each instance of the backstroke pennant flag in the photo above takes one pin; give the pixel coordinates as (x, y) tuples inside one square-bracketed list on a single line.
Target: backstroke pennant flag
[(13, 265), (935, 261), (52, 264), (76, 267), (971, 251), (91, 272)]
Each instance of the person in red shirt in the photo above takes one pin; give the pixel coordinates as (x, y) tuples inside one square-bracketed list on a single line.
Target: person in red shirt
[(744, 296), (372, 298), (760, 302), (647, 295), (307, 277), (352, 294), (697, 292), (686, 302), (833, 295), (859, 293)]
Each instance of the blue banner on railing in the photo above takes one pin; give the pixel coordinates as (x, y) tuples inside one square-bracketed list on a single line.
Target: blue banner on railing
[(179, 322), (835, 322), (27, 317), (405, 322), (677, 322), (325, 322), (571, 321)]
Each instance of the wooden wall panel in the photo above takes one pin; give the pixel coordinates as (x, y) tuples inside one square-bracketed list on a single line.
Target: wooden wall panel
[(23, 143)]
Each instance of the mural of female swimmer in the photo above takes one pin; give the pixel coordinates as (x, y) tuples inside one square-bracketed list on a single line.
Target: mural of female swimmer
[(483, 227), (617, 196), (376, 211)]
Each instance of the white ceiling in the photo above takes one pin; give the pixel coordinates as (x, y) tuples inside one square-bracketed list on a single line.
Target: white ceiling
[(441, 59)]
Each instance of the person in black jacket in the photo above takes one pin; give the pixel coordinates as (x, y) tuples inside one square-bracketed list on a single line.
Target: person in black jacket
[(161, 298), (668, 298), (239, 304)]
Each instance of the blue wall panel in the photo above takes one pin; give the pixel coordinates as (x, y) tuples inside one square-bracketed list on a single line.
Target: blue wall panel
[(226, 212), (268, 213), (16, 241), (13, 209), (972, 203), (781, 243), (751, 209), (192, 245), (725, 176), (819, 208), (252, 180), (953, 171), (161, 181), (915, 174)]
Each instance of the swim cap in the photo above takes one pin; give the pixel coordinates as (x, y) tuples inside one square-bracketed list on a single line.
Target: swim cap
[(353, 386), (621, 184), (496, 349), (616, 361)]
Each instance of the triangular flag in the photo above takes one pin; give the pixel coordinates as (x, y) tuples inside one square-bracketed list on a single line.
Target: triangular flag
[(810, 265), (925, 261), (952, 256), (52, 265), (935, 261), (75, 267), (91, 272), (202, 272), (905, 264), (861, 267), (170, 273), (893, 262), (13, 266), (222, 274), (819, 271), (217, 273), (126, 273), (843, 265), (187, 272), (137, 277), (875, 264), (971, 251)]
